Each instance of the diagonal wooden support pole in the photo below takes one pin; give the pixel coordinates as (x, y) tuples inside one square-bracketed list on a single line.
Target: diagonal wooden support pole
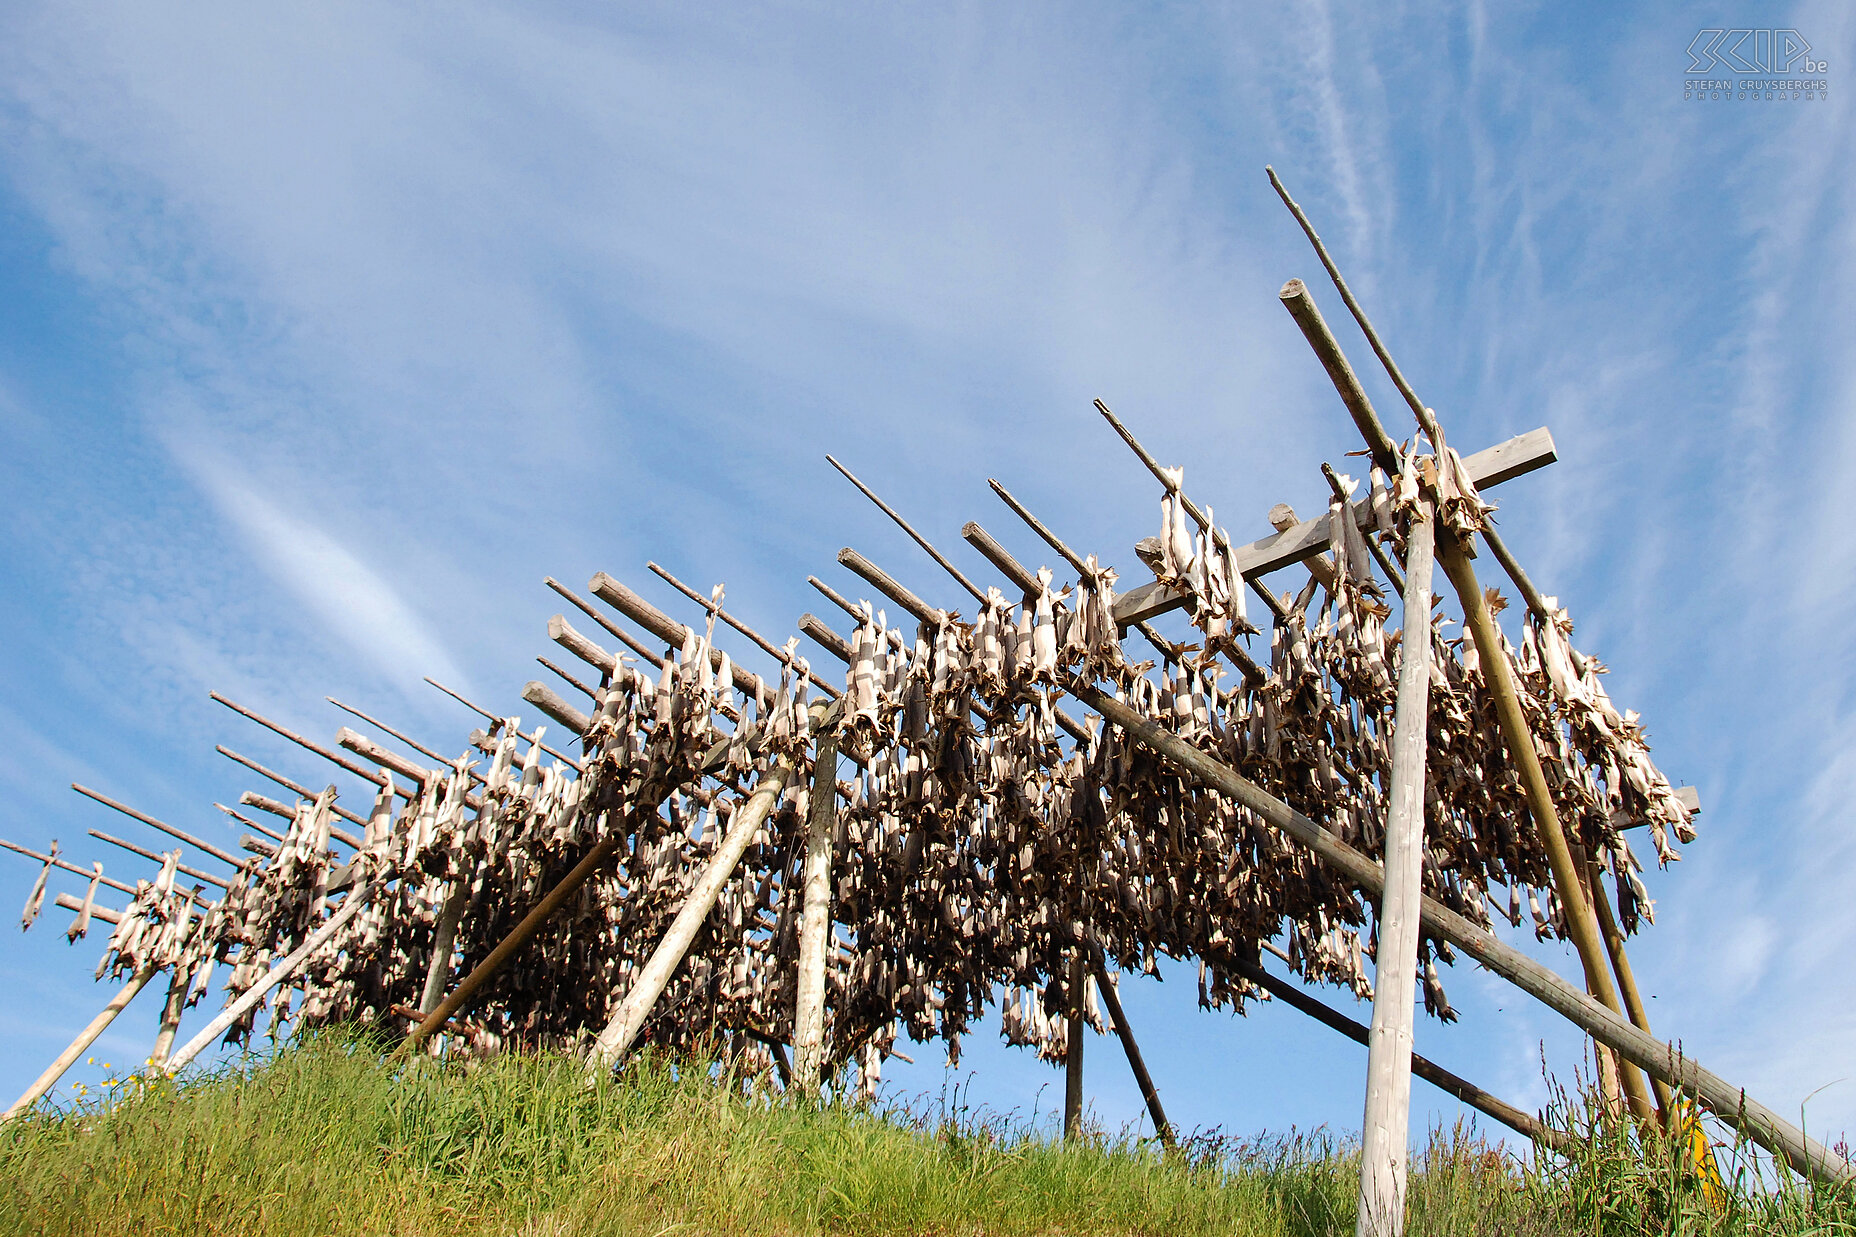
[(629, 1019), (1517, 735), (85, 1038), (1163, 1129), (1073, 1048), (1439, 1077), (1387, 1126), (1731, 1104), (351, 907)]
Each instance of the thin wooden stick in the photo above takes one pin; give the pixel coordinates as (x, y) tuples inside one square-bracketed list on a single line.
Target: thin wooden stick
[(759, 640), (153, 857), (619, 1033), (565, 759), (1468, 1092), (302, 792), (1659, 1059), (665, 628), (589, 692), (56, 862), (350, 907), (151, 822), (334, 758), (67, 902), (903, 524), (1037, 526), (441, 760), (815, 916), (1193, 509), (835, 598), (1163, 1129), (630, 641), (549, 701), (85, 1038), (1387, 1125), (249, 823), (811, 625)]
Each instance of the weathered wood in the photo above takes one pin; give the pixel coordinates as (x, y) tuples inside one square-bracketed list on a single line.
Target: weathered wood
[(221, 855), (1163, 1129), (761, 642), (171, 1012), (1518, 739), (480, 711), (1468, 1092), (643, 650), (549, 701), (562, 633), (904, 525), (615, 1040), (814, 628), (885, 584), (85, 1038), (68, 867), (444, 941), (1385, 1131), (249, 823), (439, 759), (1073, 1049), (1000, 557), (367, 749), (334, 758), (815, 916), (665, 628), (302, 792), (350, 907), (1518, 455), (68, 902), (156, 858), (1659, 1059)]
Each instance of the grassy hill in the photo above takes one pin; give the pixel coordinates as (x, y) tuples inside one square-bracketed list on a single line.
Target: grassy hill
[(328, 1138)]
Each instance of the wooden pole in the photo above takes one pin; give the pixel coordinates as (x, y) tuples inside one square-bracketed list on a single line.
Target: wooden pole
[(1073, 1050), (444, 940), (1163, 1129), (1387, 1126), (539, 914), (1518, 737), (1765, 1127), (221, 855), (248, 999), (815, 918), (617, 1037), (85, 1038), (170, 1021), (904, 525), (1439, 1077)]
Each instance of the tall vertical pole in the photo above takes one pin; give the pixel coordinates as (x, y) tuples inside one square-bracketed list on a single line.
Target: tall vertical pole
[(1073, 1054), (1387, 1126), (170, 1020), (815, 917)]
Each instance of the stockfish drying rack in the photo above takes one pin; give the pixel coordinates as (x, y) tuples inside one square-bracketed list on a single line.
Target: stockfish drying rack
[(1011, 806)]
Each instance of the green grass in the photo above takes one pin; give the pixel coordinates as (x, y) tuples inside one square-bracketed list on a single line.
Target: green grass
[(328, 1138)]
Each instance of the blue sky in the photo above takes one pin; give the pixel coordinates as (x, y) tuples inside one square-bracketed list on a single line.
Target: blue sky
[(327, 334)]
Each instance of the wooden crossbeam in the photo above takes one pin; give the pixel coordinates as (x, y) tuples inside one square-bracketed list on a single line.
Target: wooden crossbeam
[(1492, 466)]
